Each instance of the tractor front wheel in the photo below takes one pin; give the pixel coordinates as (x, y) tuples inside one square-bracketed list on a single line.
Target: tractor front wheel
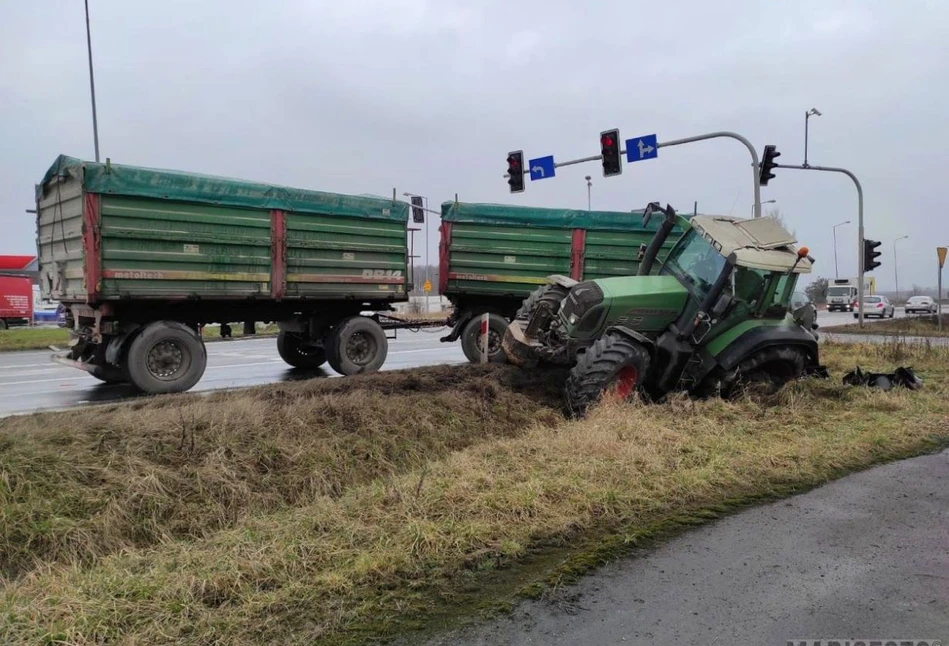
[(549, 295), (615, 366), (766, 370)]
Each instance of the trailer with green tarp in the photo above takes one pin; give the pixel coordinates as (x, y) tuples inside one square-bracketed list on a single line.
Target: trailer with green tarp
[(492, 256), (141, 258)]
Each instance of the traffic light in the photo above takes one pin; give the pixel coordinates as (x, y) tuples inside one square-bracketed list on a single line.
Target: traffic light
[(609, 148), (768, 165), (515, 171), (418, 215), (869, 255)]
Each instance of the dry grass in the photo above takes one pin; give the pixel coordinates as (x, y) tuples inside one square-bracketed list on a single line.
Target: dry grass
[(907, 326), (409, 532)]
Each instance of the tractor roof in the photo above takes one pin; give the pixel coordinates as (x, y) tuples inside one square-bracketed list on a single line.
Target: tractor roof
[(761, 243)]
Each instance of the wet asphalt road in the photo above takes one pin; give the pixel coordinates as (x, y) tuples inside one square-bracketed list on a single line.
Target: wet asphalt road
[(864, 557), (29, 381)]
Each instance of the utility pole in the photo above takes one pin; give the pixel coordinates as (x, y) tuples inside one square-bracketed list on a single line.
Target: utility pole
[(836, 270), (92, 85), (896, 271), (589, 186)]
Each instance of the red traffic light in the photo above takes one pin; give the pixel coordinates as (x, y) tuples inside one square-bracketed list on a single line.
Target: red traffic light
[(607, 141), (609, 149)]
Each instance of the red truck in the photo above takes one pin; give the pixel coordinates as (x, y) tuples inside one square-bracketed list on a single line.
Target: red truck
[(16, 301)]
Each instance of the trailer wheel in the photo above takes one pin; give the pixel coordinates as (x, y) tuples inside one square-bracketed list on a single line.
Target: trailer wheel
[(471, 339), (166, 357), (614, 365), (3, 324), (110, 374), (298, 352), (357, 345)]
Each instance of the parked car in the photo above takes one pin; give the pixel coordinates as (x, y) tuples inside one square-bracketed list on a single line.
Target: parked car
[(878, 306), (920, 305)]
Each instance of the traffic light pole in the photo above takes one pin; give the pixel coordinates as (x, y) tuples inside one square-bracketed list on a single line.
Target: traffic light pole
[(860, 268), (755, 166)]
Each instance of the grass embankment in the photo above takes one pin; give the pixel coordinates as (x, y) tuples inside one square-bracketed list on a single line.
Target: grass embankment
[(40, 338), (334, 511), (907, 326)]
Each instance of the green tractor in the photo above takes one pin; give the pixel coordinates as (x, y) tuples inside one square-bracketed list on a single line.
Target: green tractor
[(711, 319)]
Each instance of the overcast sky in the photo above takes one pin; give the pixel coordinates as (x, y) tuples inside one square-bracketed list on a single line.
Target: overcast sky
[(428, 96)]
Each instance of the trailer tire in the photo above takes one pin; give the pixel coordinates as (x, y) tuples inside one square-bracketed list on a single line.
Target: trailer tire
[(3, 324), (166, 357), (615, 362), (357, 345), (471, 339), (110, 374), (299, 353)]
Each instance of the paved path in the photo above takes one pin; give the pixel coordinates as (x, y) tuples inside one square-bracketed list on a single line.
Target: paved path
[(864, 557)]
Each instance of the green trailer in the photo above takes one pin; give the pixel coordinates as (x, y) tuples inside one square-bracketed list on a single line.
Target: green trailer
[(492, 256), (143, 258)]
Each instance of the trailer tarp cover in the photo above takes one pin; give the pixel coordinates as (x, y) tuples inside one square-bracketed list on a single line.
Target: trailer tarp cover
[(505, 214), (117, 179)]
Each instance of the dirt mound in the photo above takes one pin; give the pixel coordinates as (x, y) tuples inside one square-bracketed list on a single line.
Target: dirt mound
[(79, 485)]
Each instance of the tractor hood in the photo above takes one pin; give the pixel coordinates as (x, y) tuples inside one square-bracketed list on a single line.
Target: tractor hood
[(646, 304)]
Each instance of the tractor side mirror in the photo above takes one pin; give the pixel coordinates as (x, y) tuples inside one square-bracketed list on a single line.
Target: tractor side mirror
[(647, 214), (721, 305)]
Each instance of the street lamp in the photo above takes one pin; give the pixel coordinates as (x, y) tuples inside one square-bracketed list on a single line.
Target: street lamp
[(424, 224), (896, 273), (813, 112), (589, 186), (836, 272), (763, 203), (92, 85)]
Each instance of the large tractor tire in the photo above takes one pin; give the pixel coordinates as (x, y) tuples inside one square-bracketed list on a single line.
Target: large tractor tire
[(765, 371), (166, 357), (615, 366), (357, 345), (471, 339), (550, 295), (299, 352)]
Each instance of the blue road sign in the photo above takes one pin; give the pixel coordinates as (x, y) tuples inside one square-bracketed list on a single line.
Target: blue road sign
[(542, 167), (640, 148)]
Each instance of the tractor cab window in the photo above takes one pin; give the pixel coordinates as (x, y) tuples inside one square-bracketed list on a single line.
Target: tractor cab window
[(695, 263), (755, 286)]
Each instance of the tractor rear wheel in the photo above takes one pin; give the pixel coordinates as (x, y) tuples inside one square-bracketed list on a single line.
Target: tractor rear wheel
[(615, 366), (767, 370)]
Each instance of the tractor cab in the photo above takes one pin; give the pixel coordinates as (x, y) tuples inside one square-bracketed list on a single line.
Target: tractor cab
[(722, 295)]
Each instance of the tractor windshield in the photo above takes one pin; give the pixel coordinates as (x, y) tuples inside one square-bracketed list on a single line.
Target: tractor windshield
[(695, 263)]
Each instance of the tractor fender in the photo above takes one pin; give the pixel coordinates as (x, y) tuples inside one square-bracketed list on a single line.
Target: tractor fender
[(564, 281), (763, 337), (646, 342)]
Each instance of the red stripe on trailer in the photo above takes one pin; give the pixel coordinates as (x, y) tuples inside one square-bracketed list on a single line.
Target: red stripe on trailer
[(278, 254), (92, 245), (577, 244), (443, 249)]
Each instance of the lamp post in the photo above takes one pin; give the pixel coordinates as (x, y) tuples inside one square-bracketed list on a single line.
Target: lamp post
[(426, 255), (92, 85), (762, 204), (813, 112), (589, 186), (836, 271), (896, 271)]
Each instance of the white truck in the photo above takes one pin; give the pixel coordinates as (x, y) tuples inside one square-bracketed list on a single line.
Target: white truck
[(842, 293)]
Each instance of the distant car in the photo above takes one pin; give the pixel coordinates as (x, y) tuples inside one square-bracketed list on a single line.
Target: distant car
[(920, 305), (878, 306)]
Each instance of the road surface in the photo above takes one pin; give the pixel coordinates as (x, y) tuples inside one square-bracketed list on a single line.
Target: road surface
[(861, 558), (29, 381)]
